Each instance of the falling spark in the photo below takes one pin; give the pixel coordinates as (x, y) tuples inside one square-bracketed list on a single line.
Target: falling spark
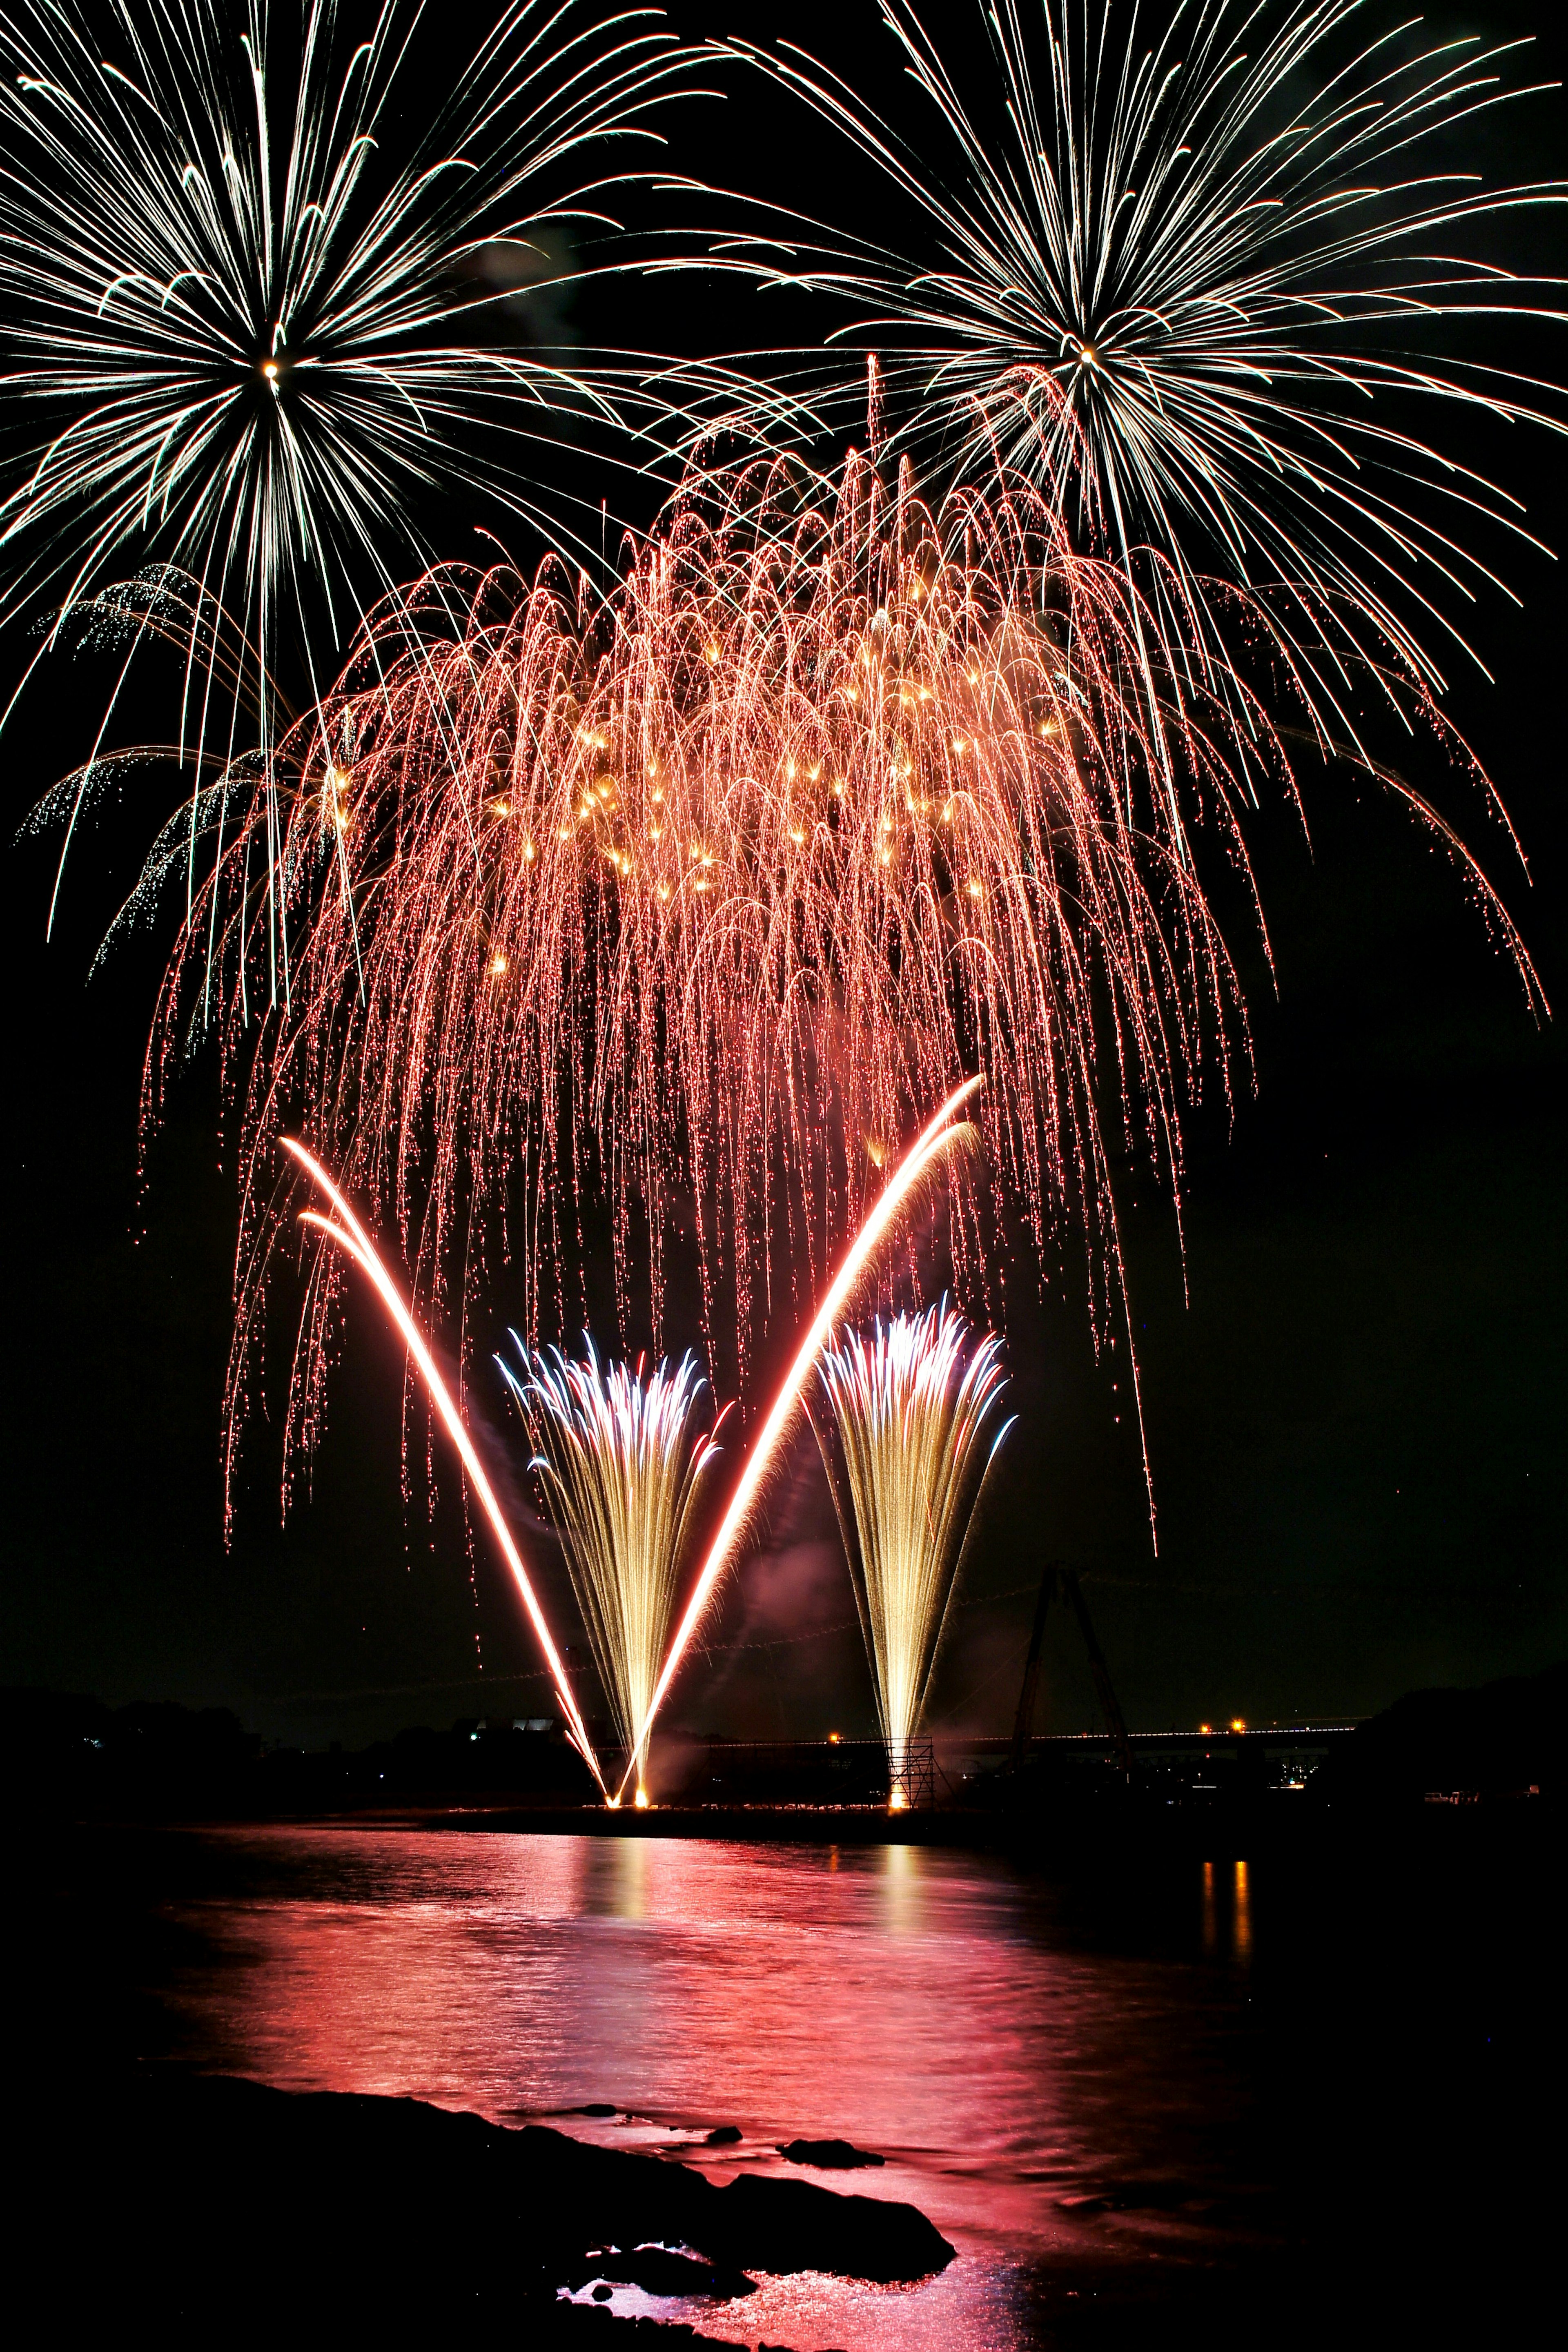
[(1031, 908), (911, 1404)]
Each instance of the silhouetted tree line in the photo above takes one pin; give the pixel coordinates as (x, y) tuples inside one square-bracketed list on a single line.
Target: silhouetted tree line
[(159, 1757), (1506, 1740)]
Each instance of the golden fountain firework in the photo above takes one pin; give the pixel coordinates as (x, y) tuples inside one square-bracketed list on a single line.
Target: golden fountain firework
[(911, 1405), (942, 1135), (622, 1465)]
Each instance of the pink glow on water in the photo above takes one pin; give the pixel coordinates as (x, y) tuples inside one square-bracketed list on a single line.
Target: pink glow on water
[(925, 2005)]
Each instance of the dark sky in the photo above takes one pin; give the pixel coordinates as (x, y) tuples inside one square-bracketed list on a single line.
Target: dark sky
[(1355, 1417)]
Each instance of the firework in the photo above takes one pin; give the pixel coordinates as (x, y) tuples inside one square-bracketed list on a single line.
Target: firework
[(622, 1466), (254, 324), (693, 902), (938, 1137), (343, 1229), (602, 1430), (1202, 285), (910, 1405)]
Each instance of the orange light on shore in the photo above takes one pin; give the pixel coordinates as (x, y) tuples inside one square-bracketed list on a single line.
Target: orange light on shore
[(1237, 1724)]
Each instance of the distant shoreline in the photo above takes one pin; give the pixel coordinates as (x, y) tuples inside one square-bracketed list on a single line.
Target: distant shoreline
[(1061, 1836), (1444, 1770)]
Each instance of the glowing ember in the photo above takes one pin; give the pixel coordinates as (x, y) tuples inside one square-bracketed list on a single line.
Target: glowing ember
[(837, 797)]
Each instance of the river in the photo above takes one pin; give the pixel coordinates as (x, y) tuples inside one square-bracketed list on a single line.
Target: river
[(1124, 2086)]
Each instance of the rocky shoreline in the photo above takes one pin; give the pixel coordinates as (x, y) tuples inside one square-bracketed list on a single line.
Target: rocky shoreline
[(218, 2203)]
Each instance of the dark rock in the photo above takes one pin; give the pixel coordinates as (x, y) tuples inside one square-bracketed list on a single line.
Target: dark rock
[(602, 2293), (723, 2136), (596, 2108), (829, 2155), (658, 2272), (388, 2212), (569, 2325), (754, 2223), (793, 2225)]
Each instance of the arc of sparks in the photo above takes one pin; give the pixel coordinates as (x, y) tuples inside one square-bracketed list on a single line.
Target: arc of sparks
[(932, 1141), (355, 1243)]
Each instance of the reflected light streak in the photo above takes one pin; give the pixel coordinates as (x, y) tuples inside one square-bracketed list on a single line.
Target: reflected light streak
[(354, 1242), (928, 1146), (1243, 1913)]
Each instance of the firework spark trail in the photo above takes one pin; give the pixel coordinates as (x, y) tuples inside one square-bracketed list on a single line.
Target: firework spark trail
[(622, 1465), (935, 1139), (352, 1238), (255, 325), (911, 1404), (702, 896), (1200, 285), (931, 1147)]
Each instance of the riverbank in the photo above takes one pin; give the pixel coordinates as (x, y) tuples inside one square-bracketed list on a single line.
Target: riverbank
[(208, 2192), (1055, 1839)]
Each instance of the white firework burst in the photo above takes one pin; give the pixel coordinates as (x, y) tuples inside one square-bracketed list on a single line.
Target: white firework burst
[(1205, 282), (252, 315)]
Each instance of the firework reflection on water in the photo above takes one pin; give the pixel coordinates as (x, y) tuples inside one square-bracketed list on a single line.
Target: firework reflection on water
[(938, 2008)]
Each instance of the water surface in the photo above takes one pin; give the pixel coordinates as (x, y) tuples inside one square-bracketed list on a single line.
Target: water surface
[(1096, 2091)]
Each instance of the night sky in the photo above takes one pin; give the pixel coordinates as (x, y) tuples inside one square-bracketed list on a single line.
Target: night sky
[(1355, 1417)]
